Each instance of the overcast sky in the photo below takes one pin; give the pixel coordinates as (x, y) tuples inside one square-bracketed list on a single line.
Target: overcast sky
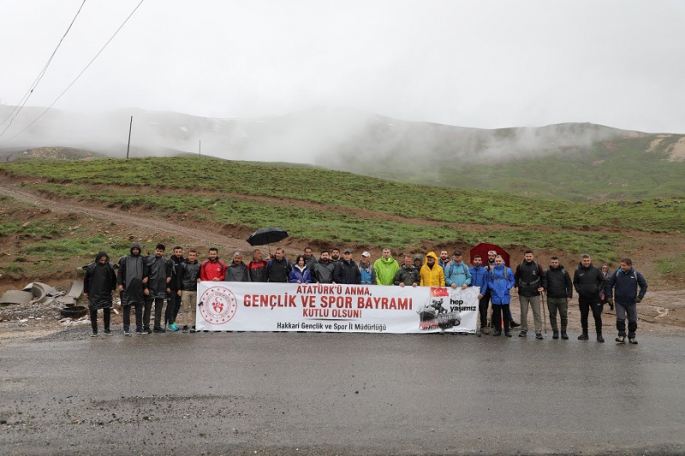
[(469, 63)]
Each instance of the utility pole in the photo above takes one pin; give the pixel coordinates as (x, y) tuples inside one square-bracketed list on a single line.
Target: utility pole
[(200, 149), (128, 147)]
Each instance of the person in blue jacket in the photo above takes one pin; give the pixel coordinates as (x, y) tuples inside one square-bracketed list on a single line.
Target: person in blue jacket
[(623, 285), (500, 281), (479, 278), (457, 274), (300, 273)]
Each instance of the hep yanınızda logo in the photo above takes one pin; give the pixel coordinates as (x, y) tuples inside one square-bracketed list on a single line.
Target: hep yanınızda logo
[(218, 305)]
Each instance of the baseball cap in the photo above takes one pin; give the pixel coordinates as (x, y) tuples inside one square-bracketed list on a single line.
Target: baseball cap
[(366, 254), (347, 251), (457, 252)]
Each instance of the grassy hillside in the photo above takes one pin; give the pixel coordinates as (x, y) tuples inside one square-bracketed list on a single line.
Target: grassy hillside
[(327, 206), (627, 166)]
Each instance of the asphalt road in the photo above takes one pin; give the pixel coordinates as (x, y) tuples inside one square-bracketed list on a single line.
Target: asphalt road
[(290, 393)]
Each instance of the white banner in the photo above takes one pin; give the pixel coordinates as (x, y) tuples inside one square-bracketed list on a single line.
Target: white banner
[(244, 306)]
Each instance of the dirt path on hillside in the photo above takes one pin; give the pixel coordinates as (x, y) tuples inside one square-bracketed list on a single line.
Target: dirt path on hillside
[(202, 236)]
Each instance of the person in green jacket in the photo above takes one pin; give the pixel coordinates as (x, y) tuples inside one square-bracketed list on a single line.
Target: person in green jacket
[(386, 267)]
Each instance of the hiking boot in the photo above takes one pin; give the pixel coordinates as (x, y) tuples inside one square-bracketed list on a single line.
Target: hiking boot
[(555, 334), (583, 336), (564, 335), (600, 338), (632, 340), (140, 332), (108, 332), (485, 330), (513, 324), (192, 330), (185, 329), (497, 332), (507, 333), (127, 332), (538, 336), (159, 329), (523, 333), (94, 334), (621, 339)]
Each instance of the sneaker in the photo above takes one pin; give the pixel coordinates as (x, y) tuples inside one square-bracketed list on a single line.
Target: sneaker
[(600, 338), (108, 332), (621, 339), (172, 327), (192, 330), (555, 334), (583, 336), (564, 335), (497, 332), (478, 332), (185, 329), (513, 324), (94, 334), (485, 330), (127, 332), (539, 336), (158, 330), (632, 340), (523, 333), (507, 333), (140, 332)]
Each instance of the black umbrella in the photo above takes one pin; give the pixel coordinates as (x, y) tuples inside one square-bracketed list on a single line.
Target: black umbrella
[(267, 236)]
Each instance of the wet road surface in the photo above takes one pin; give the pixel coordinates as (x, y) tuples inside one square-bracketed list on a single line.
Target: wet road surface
[(290, 393)]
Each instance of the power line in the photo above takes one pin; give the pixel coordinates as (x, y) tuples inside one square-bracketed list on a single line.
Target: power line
[(33, 86), (79, 75)]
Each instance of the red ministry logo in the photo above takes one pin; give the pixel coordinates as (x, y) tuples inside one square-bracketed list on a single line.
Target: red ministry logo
[(219, 305)]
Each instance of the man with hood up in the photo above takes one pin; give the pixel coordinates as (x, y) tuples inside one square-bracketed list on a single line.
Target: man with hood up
[(132, 277), (386, 267), (237, 271), (431, 273), (159, 287), (99, 285), (589, 283)]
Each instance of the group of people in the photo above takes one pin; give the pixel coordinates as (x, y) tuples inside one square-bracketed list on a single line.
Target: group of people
[(144, 281)]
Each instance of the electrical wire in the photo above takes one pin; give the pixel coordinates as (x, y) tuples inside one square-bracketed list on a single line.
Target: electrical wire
[(79, 75), (33, 86)]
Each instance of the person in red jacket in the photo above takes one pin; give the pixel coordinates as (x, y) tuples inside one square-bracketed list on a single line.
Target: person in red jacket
[(213, 269)]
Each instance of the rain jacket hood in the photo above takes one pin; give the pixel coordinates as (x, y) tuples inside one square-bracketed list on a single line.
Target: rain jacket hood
[(135, 245)]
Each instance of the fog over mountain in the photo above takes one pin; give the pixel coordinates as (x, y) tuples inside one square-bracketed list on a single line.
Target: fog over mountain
[(332, 137)]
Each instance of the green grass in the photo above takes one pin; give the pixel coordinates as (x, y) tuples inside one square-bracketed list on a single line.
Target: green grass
[(669, 266), (229, 192)]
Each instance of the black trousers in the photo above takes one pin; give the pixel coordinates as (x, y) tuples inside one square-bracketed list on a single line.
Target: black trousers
[(500, 313), (483, 310), (173, 305), (139, 316), (159, 306), (107, 314), (587, 304)]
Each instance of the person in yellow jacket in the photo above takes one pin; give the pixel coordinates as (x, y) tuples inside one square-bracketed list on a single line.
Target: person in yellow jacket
[(432, 274)]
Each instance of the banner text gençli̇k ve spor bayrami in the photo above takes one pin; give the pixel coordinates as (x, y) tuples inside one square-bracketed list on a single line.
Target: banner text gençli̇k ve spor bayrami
[(244, 306)]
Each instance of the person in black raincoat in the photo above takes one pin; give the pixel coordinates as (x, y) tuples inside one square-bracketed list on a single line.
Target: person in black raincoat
[(99, 285), (158, 288), (132, 277)]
